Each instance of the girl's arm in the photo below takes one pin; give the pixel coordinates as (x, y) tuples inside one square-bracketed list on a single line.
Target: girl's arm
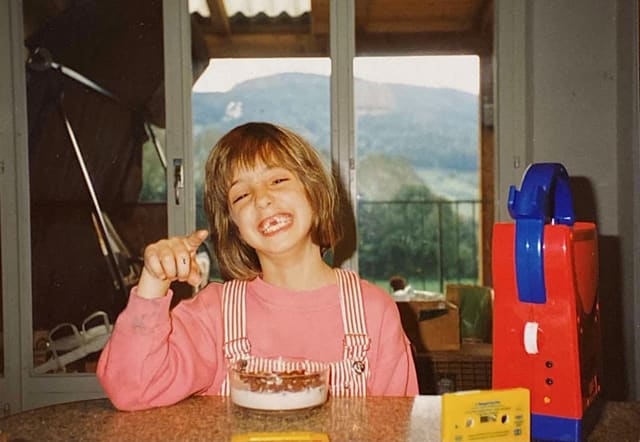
[(156, 358), (393, 370)]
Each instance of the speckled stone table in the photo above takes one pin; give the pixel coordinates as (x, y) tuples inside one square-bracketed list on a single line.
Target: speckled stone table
[(216, 419)]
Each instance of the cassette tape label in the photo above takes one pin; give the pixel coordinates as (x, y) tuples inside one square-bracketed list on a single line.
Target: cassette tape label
[(495, 415)]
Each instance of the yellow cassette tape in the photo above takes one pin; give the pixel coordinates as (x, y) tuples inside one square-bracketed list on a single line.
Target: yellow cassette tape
[(487, 415)]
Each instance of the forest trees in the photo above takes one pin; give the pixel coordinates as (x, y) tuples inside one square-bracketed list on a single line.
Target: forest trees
[(417, 235)]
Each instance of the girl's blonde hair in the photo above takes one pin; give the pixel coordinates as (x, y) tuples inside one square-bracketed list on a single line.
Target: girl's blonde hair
[(275, 146)]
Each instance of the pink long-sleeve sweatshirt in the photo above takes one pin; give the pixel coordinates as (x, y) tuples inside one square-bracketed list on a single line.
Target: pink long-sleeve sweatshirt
[(158, 357)]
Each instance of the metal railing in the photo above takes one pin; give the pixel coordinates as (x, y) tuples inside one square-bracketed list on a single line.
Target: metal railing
[(441, 238)]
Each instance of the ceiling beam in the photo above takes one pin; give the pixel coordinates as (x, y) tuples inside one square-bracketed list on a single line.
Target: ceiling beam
[(422, 43), (218, 20), (319, 23), (306, 45), (484, 18), (410, 25), (267, 45)]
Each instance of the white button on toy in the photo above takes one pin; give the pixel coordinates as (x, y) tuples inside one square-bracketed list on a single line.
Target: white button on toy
[(531, 338)]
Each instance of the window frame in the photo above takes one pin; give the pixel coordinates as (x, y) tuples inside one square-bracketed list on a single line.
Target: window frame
[(23, 389)]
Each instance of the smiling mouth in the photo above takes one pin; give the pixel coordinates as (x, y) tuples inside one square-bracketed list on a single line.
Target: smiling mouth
[(274, 223)]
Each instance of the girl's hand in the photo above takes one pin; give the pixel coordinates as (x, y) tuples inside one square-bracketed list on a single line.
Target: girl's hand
[(168, 260)]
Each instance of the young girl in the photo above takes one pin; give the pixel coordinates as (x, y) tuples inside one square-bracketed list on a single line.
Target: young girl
[(272, 209)]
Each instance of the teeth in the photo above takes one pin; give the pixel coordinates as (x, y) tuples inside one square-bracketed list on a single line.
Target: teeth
[(274, 223)]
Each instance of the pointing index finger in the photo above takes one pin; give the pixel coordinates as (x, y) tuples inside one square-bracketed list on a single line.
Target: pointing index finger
[(196, 238)]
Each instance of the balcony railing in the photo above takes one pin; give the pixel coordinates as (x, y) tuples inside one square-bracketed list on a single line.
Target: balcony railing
[(429, 242)]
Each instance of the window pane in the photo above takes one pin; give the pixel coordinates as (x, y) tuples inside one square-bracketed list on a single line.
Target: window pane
[(272, 65), (86, 132), (417, 171)]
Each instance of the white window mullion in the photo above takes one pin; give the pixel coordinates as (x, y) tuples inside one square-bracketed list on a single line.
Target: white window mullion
[(14, 172), (179, 143), (342, 43)]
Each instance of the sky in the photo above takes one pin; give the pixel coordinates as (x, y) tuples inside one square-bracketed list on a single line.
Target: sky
[(456, 72)]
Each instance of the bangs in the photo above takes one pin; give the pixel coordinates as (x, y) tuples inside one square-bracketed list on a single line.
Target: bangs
[(271, 153)]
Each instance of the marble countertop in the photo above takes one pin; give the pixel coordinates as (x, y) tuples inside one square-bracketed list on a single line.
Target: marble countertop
[(215, 418)]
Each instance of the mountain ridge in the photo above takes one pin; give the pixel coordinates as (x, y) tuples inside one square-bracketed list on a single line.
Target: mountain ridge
[(434, 129)]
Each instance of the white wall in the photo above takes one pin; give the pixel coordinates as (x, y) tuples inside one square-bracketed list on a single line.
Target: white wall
[(567, 78), (574, 95)]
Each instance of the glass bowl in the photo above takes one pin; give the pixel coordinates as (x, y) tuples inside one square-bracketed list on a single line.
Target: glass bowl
[(278, 384)]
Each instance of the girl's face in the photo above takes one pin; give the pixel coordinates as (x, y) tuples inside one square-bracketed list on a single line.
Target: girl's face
[(269, 206)]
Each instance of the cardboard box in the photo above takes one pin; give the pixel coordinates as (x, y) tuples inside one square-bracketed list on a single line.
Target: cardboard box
[(431, 325)]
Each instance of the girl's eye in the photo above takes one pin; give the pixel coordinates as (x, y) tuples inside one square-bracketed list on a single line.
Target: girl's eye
[(238, 198), (280, 180)]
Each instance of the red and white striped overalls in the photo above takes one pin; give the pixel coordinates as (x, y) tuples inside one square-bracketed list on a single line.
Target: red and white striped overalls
[(348, 377)]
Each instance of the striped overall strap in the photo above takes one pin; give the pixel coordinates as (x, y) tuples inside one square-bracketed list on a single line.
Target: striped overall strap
[(234, 318), (354, 369)]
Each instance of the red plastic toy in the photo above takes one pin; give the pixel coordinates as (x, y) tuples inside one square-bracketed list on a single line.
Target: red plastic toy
[(546, 330)]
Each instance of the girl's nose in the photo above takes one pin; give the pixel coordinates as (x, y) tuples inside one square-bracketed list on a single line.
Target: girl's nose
[(263, 197)]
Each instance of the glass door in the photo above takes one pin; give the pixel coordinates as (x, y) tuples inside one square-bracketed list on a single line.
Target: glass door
[(419, 199), (95, 99), (418, 143)]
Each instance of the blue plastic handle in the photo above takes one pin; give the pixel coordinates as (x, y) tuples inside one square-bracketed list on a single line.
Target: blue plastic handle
[(544, 197)]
